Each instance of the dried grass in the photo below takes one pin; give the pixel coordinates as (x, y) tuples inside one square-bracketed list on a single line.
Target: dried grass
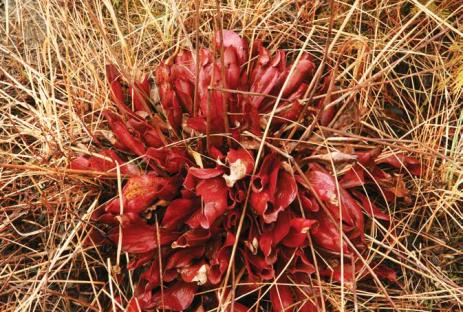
[(402, 61)]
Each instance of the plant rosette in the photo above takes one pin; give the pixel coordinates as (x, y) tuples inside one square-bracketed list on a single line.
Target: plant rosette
[(207, 187)]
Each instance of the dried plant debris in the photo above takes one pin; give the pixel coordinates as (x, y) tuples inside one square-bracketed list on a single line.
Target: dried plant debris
[(231, 155)]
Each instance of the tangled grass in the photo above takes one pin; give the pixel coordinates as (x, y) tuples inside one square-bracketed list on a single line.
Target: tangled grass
[(401, 61)]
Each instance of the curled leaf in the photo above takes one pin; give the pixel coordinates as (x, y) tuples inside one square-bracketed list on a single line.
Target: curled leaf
[(196, 273), (274, 190), (183, 257), (220, 259), (400, 160), (178, 211), (177, 297), (298, 232), (140, 191), (232, 40), (327, 235), (281, 298), (371, 209), (214, 194), (191, 238), (241, 164), (108, 161), (139, 237), (122, 133)]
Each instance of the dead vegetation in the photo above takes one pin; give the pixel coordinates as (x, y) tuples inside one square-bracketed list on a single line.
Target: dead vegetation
[(401, 61)]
